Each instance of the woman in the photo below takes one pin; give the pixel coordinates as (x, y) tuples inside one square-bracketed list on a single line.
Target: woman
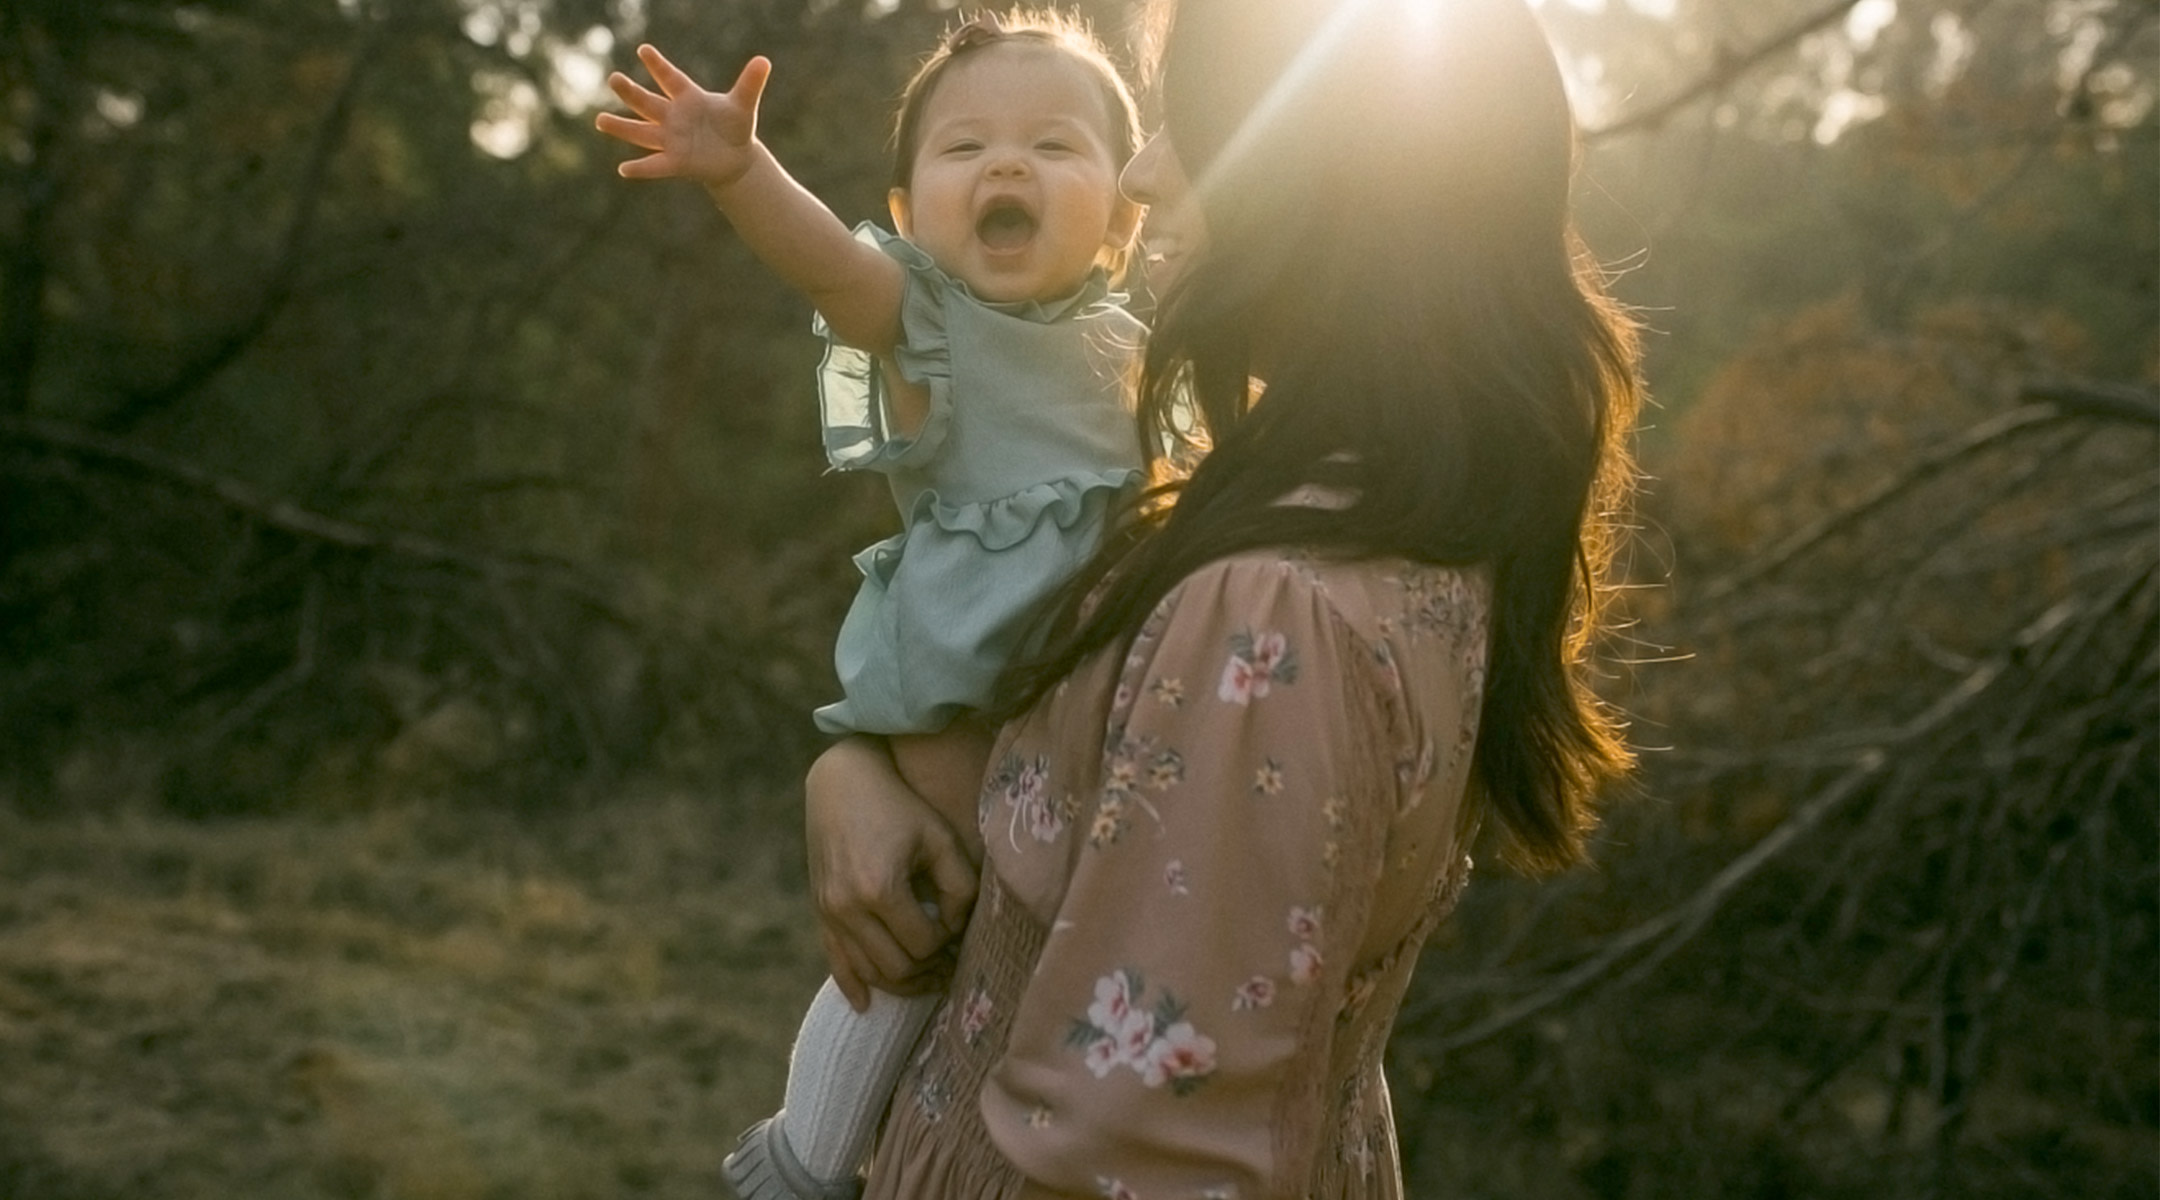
[(1237, 788)]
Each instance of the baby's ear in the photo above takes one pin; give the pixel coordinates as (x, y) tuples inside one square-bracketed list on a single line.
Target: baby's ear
[(897, 201)]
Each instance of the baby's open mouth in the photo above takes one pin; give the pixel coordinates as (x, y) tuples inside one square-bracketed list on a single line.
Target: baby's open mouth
[(1006, 226)]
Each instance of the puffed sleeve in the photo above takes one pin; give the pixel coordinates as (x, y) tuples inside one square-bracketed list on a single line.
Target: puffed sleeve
[(852, 402), (1174, 1039)]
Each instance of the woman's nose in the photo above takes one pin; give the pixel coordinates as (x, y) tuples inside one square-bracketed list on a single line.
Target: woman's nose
[(1138, 180)]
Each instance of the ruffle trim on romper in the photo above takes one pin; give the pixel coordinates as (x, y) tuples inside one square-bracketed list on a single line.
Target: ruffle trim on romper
[(852, 400), (1007, 521), (907, 663)]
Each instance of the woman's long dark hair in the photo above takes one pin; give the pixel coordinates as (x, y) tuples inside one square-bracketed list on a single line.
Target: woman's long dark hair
[(1385, 185)]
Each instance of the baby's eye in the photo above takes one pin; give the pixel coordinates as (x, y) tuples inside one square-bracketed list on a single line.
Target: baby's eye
[(963, 147), (1054, 146)]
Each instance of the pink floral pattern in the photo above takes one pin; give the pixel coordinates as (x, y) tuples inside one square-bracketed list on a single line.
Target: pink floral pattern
[(1258, 661), (1023, 785), (1190, 868), (1157, 1042), (1305, 964), (975, 1013), (1257, 992), (1137, 766)]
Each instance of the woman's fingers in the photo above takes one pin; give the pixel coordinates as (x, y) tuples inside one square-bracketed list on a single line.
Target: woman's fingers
[(855, 978), (872, 841), (913, 930), (847, 972), (879, 956), (929, 979), (952, 880), (882, 921)]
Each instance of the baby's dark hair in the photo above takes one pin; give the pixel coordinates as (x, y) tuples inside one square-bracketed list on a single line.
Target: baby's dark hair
[(1026, 27)]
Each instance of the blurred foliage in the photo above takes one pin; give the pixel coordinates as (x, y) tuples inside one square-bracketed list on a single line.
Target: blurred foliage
[(364, 439), (1880, 917)]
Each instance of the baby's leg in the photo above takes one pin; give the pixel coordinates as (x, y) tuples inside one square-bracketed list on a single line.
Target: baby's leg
[(946, 768), (840, 1080), (841, 1076)]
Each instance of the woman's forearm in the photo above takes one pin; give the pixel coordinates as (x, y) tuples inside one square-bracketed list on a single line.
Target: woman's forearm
[(871, 839)]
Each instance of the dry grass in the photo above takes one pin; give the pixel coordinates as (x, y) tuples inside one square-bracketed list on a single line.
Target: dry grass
[(409, 1003)]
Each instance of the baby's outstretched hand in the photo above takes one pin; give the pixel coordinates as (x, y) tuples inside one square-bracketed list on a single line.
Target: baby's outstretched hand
[(692, 133)]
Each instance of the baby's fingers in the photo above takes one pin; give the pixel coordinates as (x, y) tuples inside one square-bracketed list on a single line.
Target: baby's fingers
[(642, 134), (670, 77), (652, 166), (641, 100), (750, 85)]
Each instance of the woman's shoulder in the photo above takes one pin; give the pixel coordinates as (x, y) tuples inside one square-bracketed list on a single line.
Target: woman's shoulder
[(1377, 599)]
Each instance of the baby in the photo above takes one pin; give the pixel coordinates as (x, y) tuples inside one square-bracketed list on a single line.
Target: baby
[(979, 361)]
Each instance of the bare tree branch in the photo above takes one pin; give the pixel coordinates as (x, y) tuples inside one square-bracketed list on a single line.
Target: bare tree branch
[(2096, 398), (563, 575), (274, 511), (1679, 922), (1728, 71), (1988, 433), (1667, 932), (277, 286), (2046, 402)]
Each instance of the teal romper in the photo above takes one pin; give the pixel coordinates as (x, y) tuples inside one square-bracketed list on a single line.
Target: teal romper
[(1003, 492)]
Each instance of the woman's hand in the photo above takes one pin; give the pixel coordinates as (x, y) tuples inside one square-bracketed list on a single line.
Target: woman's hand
[(877, 852), (694, 134)]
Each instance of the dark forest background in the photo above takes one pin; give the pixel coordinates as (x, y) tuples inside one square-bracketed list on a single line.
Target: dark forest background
[(417, 566)]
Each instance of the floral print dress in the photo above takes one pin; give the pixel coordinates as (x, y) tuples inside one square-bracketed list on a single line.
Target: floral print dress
[(1209, 866)]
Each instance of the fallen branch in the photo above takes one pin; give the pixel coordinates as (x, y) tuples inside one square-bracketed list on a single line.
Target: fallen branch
[(1667, 932), (2095, 398), (1981, 437)]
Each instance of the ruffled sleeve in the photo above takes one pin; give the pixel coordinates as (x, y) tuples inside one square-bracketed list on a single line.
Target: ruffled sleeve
[(1177, 1029), (853, 405)]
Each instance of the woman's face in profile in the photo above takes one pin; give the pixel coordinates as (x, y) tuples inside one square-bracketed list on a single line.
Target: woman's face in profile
[(1175, 233)]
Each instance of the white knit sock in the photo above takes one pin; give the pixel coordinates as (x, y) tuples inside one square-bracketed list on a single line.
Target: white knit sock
[(842, 1074)]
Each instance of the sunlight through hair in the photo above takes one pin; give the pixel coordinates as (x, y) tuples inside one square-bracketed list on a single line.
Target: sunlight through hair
[(1422, 23), (1422, 18), (1276, 101)]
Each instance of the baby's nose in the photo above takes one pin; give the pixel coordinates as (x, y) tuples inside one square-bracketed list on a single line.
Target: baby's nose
[(1009, 163)]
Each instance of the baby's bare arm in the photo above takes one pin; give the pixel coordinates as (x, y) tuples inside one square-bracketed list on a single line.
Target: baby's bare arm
[(711, 139)]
